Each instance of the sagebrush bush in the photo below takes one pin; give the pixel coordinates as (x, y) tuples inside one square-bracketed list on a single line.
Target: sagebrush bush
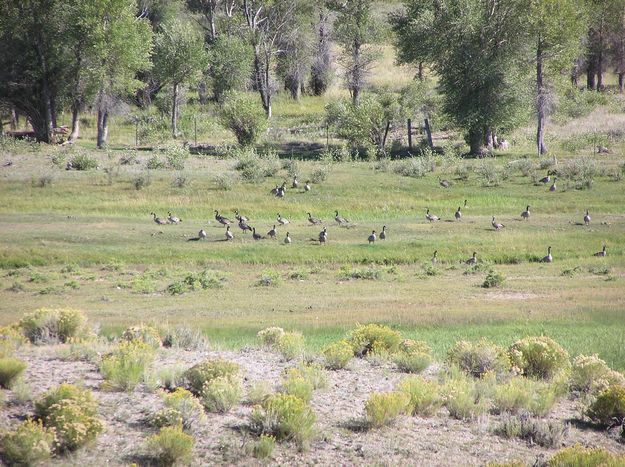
[(185, 337), (383, 408), (209, 370), (270, 336), (225, 181), (74, 424), (264, 447), (187, 405), (412, 356), (126, 366), (539, 357), (416, 167), (373, 338), (221, 394), (11, 339), (463, 399), (524, 395), (258, 392), (47, 325), (320, 174), (547, 433), (479, 358), (608, 409), (142, 333), (10, 369), (286, 417), (171, 446), (29, 444), (337, 355), (580, 456), (488, 174), (291, 345), (82, 161), (425, 398), (590, 374)]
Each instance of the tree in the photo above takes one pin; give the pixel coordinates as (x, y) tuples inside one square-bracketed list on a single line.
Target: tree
[(357, 32), (230, 65), (242, 114), (180, 57), (321, 69)]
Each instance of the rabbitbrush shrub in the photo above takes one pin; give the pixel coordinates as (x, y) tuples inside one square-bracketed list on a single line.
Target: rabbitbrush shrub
[(590, 374), (222, 393), (270, 336), (579, 456), (10, 369), (524, 395), (337, 355), (47, 325), (181, 408), (608, 409), (384, 407), (373, 338), (413, 356), (425, 398), (126, 366), (539, 357), (208, 370), (11, 338), (142, 333), (171, 446), (29, 444), (291, 345), (479, 358)]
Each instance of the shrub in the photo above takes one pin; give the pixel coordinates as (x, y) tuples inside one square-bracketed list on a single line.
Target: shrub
[(298, 386), (74, 424), (82, 161), (126, 366), (479, 358), (142, 333), (224, 182), (208, 370), (171, 446), (29, 444), (263, 448), (268, 278), (412, 362), (54, 325), (590, 374), (258, 392), (547, 433), (155, 163), (425, 399), (286, 417), (10, 369), (581, 171), (249, 167), (320, 174), (167, 417), (373, 338), (383, 408), (522, 394), (608, 409), (493, 279), (188, 407), (312, 373), (270, 336), (337, 355), (222, 393), (416, 167), (291, 345), (539, 357), (141, 181), (463, 399), (65, 392), (176, 157), (185, 337), (371, 273), (579, 456), (242, 114), (11, 338), (488, 174)]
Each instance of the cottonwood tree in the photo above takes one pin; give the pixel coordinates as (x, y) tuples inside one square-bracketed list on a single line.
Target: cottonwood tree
[(321, 68), (230, 65), (180, 58)]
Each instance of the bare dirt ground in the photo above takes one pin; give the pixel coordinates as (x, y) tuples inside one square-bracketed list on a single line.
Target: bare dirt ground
[(224, 439)]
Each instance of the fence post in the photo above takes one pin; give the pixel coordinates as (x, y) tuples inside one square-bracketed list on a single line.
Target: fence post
[(195, 128), (410, 134)]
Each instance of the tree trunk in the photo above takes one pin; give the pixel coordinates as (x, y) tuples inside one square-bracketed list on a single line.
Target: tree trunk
[(43, 127), (355, 72), (14, 122), (103, 128), (540, 102), (409, 134), (600, 71), (174, 112), (202, 93), (420, 71), (73, 136), (488, 138), (386, 130), (590, 76), (621, 83), (428, 132), (261, 76), (476, 138)]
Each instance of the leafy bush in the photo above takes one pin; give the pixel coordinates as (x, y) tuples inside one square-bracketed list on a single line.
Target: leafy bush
[(29, 444), (142, 333), (479, 358), (547, 433), (176, 157), (75, 425), (383, 408), (522, 394), (224, 182), (222, 393), (373, 338), (320, 174), (270, 336), (47, 325), (286, 417), (185, 337), (539, 357), (416, 167), (264, 447), (230, 67), (425, 399), (608, 409), (337, 355), (412, 362), (590, 374), (488, 174), (243, 115), (188, 407), (208, 370), (291, 345), (155, 163), (82, 161), (10, 369), (63, 392), (493, 279), (126, 366), (171, 446), (579, 456)]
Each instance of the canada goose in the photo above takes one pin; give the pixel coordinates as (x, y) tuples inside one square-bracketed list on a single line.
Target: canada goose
[(173, 219), (431, 217), (546, 179), (472, 261), (372, 237), (553, 185), (587, 218), (383, 233), (465, 203), (158, 220), (313, 220), (274, 191), (435, 257), (256, 236), (229, 234), (340, 220), (273, 232), (526, 214), (601, 253), (239, 217), (444, 183), (201, 234), (307, 186), (282, 220), (244, 227), (496, 225), (281, 191), (295, 183), (221, 219), (323, 235), (287, 239), (458, 214), (548, 258)]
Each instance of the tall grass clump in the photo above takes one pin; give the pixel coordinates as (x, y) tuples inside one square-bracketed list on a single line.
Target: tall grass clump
[(52, 326), (30, 444), (127, 365), (171, 446), (524, 395), (425, 398), (264, 447), (539, 357), (479, 358), (10, 369)]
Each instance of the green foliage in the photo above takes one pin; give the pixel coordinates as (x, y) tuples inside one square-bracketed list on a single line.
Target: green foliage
[(425, 398), (296, 385), (143, 334), (383, 408), (155, 163), (11, 338), (83, 161), (581, 172), (608, 409), (222, 393), (373, 338), (74, 424), (479, 358), (312, 373), (264, 447), (141, 181), (286, 417), (493, 279), (269, 278), (291, 345), (413, 356), (208, 370), (524, 395), (224, 182), (463, 398), (546, 433), (590, 374), (320, 173), (29, 444), (230, 67), (171, 446), (580, 456), (243, 115), (188, 408), (62, 392), (270, 336), (126, 366), (47, 325), (372, 273), (258, 392), (10, 369), (166, 417), (415, 167), (539, 357), (337, 355)]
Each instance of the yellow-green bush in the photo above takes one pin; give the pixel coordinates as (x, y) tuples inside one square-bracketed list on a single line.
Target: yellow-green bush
[(425, 398), (47, 325), (479, 358), (142, 333), (286, 417), (310, 372), (270, 336), (65, 391), (539, 357), (126, 366), (167, 417), (171, 446), (298, 386), (608, 409), (73, 424), (590, 374), (463, 397), (258, 392), (291, 345), (337, 355), (523, 394), (383, 408), (263, 448), (208, 370), (10, 369), (29, 444), (187, 405), (11, 338), (373, 338), (579, 456), (222, 393)]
